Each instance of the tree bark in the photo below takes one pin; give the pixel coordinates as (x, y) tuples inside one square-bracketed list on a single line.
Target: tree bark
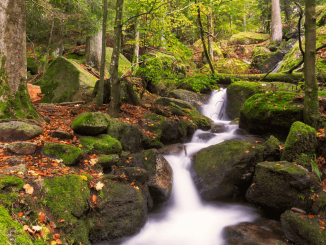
[(311, 106), (14, 98), (210, 35), (115, 103), (47, 53), (99, 101), (95, 49), (287, 10), (135, 56), (276, 32)]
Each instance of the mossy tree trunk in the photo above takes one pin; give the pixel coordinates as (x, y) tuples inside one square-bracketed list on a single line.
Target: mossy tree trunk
[(100, 90), (14, 97), (115, 103), (311, 106), (276, 32)]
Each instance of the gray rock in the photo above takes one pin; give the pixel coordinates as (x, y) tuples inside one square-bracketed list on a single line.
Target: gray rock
[(14, 131), (225, 170), (20, 168), (133, 174), (206, 136), (217, 128), (61, 135), (281, 186), (108, 161), (22, 148), (91, 123), (195, 99), (272, 149), (174, 149)]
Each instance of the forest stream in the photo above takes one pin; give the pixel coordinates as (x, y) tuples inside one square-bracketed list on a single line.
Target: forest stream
[(186, 219)]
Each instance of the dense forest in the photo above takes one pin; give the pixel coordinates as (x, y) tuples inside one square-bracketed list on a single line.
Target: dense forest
[(158, 122)]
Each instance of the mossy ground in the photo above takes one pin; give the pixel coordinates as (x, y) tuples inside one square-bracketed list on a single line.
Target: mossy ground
[(248, 38)]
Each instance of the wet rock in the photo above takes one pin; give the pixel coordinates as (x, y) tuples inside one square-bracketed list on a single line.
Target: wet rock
[(302, 229), (281, 186), (91, 123), (70, 155), (22, 148), (272, 149), (206, 136), (260, 232), (217, 128), (195, 99), (134, 174), (225, 170), (102, 145), (174, 149), (63, 135), (14, 131)]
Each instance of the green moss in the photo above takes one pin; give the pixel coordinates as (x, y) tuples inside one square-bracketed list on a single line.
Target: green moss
[(271, 144), (248, 38), (8, 199), (66, 197), (33, 65), (228, 66), (91, 123), (11, 182), (102, 144), (11, 232), (124, 63), (70, 155)]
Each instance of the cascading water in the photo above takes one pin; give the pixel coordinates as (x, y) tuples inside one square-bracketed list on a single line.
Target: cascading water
[(186, 219)]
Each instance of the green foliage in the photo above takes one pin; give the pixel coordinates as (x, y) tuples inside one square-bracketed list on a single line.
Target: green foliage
[(200, 81)]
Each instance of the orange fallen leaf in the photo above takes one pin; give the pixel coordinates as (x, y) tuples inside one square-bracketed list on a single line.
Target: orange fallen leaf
[(321, 222), (41, 218), (246, 151), (20, 214), (303, 216), (322, 227), (94, 198), (58, 241), (42, 233), (310, 216), (253, 147), (56, 236)]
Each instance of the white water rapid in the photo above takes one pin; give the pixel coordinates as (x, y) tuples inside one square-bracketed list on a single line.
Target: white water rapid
[(186, 220)]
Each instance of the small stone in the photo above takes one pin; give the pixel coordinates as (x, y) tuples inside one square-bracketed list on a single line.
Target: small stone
[(61, 135), (22, 148), (14, 131)]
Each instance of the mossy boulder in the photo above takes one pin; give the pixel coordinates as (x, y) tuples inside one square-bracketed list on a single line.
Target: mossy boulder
[(182, 108), (70, 155), (319, 206), (11, 232), (301, 140), (124, 63), (195, 99), (321, 15), (22, 148), (9, 188), (281, 186), (160, 173), (270, 113), (102, 145), (302, 229), (65, 81), (228, 66), (33, 65), (67, 199), (248, 38), (128, 134), (107, 162), (264, 60), (91, 123), (122, 211), (14, 131), (134, 174), (225, 170), (272, 149)]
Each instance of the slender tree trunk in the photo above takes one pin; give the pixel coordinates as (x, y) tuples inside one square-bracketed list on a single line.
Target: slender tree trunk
[(47, 53), (99, 101), (14, 98), (135, 56), (311, 106), (95, 49), (210, 35), (202, 38), (244, 17), (115, 103), (276, 32), (287, 10)]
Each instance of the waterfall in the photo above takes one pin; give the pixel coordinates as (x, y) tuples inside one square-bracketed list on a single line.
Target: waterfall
[(186, 219)]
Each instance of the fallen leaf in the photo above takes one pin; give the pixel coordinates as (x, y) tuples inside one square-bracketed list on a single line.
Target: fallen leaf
[(56, 236), (25, 227), (246, 151), (94, 198), (321, 222), (37, 228), (99, 186), (58, 241), (310, 216), (42, 233), (322, 227), (28, 189), (83, 177), (253, 147), (41, 218), (20, 214)]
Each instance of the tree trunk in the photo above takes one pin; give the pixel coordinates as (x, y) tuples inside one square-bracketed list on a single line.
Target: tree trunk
[(14, 97), (203, 39), (99, 101), (276, 32), (135, 55), (47, 53), (115, 103), (311, 106), (210, 35), (95, 50), (287, 10)]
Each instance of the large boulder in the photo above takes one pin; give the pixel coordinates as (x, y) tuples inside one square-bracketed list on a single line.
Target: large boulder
[(91, 123), (303, 229), (301, 140), (225, 170), (128, 134), (261, 232), (270, 113), (65, 81), (272, 149), (67, 199), (182, 108), (195, 99), (70, 155), (160, 173), (122, 211), (228, 66), (124, 63), (22, 148), (102, 145), (281, 186), (264, 60), (248, 38), (14, 131)]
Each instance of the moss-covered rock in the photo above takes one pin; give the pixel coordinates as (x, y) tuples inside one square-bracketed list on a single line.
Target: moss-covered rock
[(92, 123), (264, 60), (134, 174), (14, 131), (272, 149), (70, 155), (195, 99), (160, 173), (11, 232), (9, 188), (65, 81), (270, 113), (225, 170), (129, 135), (301, 139), (22, 148), (107, 162), (228, 66), (321, 15), (302, 229), (67, 199), (248, 38), (124, 63), (33, 65), (281, 186), (122, 212), (102, 145)]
